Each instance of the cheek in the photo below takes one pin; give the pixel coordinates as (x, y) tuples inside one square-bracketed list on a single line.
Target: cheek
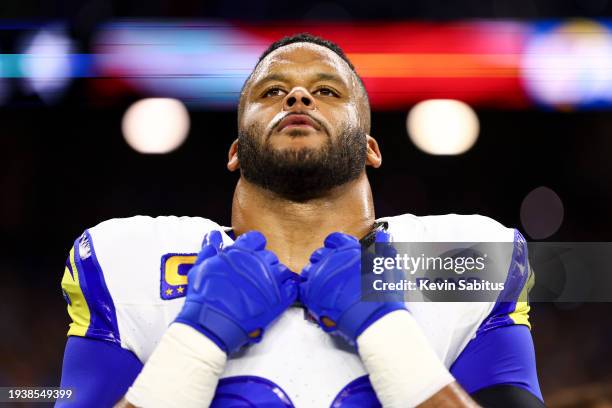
[(341, 119), (249, 114), (253, 121), (353, 118)]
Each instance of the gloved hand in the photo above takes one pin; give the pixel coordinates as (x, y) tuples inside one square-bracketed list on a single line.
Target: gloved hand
[(332, 282), (235, 292)]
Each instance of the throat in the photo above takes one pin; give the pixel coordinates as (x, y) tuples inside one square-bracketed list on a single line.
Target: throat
[(294, 230)]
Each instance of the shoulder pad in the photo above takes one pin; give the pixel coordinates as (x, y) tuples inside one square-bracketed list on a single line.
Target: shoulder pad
[(448, 228), (475, 228), (131, 251), (118, 262)]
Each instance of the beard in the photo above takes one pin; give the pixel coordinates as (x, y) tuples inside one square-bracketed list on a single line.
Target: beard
[(306, 173)]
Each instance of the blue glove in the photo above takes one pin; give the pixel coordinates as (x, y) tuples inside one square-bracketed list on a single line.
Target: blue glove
[(235, 292), (331, 287)]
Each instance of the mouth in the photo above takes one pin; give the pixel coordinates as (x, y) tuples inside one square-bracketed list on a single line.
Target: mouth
[(297, 120)]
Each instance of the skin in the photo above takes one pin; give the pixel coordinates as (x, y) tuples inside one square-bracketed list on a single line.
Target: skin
[(308, 79)]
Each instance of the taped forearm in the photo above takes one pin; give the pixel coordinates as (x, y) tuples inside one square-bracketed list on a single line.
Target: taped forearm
[(403, 368), (183, 371)]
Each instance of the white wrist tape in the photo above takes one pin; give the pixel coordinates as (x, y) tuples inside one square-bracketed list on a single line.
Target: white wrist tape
[(183, 371), (404, 370)]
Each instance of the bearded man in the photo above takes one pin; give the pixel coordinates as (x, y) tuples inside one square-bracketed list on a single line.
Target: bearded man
[(160, 319)]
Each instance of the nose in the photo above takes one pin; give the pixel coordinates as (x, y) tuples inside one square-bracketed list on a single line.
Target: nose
[(298, 98)]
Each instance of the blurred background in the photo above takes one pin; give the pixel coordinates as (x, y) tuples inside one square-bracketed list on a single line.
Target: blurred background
[(116, 108)]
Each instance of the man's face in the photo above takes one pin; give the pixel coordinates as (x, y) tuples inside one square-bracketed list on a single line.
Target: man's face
[(301, 131)]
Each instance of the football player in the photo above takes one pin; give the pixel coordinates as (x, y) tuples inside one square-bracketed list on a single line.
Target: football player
[(161, 318)]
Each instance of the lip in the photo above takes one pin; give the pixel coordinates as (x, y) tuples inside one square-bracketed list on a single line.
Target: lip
[(297, 120)]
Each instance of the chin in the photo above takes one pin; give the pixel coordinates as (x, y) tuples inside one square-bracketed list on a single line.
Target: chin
[(299, 142)]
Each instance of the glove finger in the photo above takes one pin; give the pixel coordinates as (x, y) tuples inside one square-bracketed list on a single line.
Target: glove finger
[(384, 244), (318, 254), (284, 274), (269, 257), (303, 292), (306, 272), (252, 240), (206, 252), (383, 236), (211, 245), (338, 239), (290, 284)]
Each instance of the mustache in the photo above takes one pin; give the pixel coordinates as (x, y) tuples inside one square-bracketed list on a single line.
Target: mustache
[(279, 120)]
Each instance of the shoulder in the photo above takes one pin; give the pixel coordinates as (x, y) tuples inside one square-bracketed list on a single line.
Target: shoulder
[(118, 272), (143, 230), (448, 227), (131, 251), (451, 325), (129, 240)]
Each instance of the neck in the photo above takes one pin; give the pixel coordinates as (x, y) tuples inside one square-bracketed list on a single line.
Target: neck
[(295, 229)]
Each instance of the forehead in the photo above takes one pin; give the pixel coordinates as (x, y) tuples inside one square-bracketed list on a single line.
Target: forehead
[(302, 58)]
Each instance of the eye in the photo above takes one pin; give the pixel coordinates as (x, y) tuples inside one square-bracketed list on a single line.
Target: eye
[(273, 92), (326, 92)]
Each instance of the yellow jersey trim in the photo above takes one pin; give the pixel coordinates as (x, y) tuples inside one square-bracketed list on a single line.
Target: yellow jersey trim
[(520, 315), (77, 307)]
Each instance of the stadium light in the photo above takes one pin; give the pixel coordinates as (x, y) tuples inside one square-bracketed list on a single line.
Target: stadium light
[(156, 125), (443, 126)]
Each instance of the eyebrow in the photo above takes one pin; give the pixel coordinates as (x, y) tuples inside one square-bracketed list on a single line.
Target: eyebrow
[(321, 76), (271, 77)]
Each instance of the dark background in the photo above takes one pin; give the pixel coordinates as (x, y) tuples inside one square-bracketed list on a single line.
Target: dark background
[(66, 167)]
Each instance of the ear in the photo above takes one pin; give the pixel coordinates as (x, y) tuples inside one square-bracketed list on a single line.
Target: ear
[(373, 156), (232, 157)]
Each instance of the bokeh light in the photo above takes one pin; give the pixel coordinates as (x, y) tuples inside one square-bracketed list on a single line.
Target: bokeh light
[(46, 63), (570, 65), (541, 213), (3, 82), (156, 125), (443, 126)]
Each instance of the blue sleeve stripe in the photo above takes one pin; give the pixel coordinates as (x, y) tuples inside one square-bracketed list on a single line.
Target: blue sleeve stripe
[(504, 356), (506, 303), (103, 323)]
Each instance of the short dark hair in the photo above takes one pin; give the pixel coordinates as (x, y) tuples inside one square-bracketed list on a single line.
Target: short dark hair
[(307, 38)]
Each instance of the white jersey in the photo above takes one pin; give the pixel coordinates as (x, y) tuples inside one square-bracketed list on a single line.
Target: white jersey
[(125, 282)]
